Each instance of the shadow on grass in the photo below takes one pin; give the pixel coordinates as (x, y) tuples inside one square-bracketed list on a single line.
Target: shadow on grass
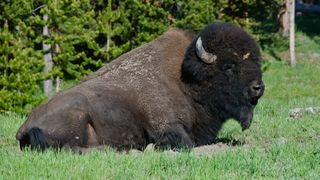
[(229, 141), (309, 24)]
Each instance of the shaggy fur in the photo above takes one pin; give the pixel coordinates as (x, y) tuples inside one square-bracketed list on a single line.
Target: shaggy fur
[(221, 88), (160, 93)]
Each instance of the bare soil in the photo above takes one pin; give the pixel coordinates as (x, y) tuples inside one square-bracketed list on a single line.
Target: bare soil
[(202, 150), (211, 149)]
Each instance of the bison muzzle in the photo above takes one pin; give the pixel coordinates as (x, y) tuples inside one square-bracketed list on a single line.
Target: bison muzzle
[(175, 91)]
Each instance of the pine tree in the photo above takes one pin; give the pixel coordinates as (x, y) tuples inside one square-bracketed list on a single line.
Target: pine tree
[(20, 68), (85, 34)]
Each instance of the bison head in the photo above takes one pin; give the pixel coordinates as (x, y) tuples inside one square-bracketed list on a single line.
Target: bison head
[(222, 68)]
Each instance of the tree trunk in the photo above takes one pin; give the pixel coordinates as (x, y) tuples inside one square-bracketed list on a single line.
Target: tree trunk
[(47, 84), (58, 84), (292, 44), (283, 18)]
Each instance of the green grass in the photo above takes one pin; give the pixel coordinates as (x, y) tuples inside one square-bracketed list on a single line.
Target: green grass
[(275, 147)]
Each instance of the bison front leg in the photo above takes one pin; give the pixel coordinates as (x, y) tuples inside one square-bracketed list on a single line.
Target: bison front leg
[(174, 137)]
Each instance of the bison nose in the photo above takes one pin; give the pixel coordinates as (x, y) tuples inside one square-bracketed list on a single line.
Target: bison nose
[(255, 92), (257, 89)]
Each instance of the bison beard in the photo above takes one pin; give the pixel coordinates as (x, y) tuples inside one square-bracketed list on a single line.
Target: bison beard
[(175, 91)]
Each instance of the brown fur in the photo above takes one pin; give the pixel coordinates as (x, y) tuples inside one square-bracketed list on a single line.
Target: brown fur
[(142, 78), (140, 98)]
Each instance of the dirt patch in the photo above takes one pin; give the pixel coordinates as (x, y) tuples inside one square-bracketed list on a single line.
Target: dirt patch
[(205, 150), (211, 149)]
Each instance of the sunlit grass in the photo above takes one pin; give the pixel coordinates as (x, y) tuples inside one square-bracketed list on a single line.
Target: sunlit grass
[(275, 146)]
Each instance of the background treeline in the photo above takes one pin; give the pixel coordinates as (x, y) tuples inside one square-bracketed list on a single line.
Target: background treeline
[(85, 34)]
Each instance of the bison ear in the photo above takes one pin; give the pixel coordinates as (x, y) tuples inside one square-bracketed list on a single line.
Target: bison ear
[(206, 57), (228, 69)]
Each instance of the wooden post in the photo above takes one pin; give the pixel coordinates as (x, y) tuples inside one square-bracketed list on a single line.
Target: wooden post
[(292, 43), (47, 84)]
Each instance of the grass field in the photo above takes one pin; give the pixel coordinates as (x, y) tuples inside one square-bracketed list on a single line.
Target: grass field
[(275, 147)]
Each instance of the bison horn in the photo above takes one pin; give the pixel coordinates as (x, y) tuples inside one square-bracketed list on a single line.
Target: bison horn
[(203, 54)]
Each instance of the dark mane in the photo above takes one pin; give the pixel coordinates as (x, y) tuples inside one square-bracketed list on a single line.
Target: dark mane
[(218, 88), (226, 41)]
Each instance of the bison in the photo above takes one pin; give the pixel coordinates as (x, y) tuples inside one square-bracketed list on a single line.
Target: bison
[(175, 91)]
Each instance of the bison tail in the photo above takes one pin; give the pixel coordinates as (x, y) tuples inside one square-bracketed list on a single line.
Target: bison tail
[(34, 138)]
